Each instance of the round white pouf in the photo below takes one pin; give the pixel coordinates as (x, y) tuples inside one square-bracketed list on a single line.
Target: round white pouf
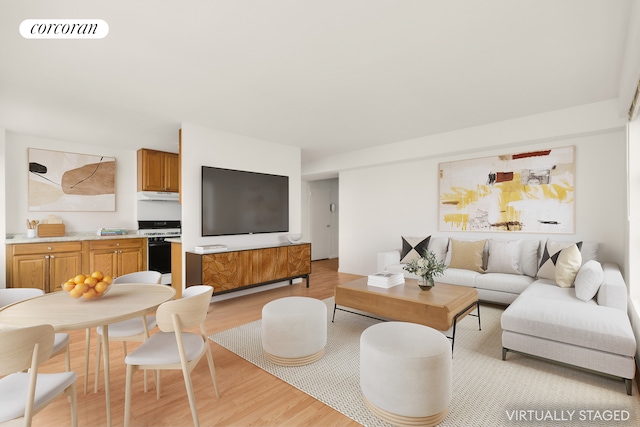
[(294, 330), (405, 373)]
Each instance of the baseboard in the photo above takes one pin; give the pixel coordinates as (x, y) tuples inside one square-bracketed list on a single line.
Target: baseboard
[(637, 376)]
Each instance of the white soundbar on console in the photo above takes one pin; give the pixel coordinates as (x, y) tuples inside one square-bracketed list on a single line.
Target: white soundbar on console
[(208, 249)]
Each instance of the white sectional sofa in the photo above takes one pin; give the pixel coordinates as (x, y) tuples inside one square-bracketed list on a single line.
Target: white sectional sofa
[(572, 309)]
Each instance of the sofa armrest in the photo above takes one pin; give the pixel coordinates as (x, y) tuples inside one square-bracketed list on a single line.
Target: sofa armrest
[(613, 292), (387, 258)]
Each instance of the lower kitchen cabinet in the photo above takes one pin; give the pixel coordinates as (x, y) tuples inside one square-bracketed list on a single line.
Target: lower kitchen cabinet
[(47, 266), (44, 266), (118, 256)]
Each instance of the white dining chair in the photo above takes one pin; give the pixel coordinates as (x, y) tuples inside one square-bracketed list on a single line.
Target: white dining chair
[(173, 347), (24, 391), (61, 339), (133, 330)]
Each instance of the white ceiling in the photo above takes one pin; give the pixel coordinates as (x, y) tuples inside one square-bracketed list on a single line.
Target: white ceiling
[(328, 76)]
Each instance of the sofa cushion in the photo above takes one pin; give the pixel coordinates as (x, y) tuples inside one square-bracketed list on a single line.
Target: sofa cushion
[(439, 246), (549, 261), (511, 283), (413, 248), (529, 257), (459, 276), (588, 280), (547, 311), (467, 255), (504, 257)]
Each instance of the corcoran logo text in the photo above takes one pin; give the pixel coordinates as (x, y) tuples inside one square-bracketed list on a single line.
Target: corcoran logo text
[(64, 29)]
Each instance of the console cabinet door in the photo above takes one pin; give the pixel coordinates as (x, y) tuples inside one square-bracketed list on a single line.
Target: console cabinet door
[(269, 264), (227, 270), (299, 257)]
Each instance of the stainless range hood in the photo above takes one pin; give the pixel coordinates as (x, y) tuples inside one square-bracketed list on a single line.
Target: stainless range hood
[(158, 196)]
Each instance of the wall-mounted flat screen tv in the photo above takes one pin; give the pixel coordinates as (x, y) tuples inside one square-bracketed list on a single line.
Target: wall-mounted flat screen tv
[(241, 202)]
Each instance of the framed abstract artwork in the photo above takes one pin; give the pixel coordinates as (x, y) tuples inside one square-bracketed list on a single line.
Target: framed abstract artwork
[(71, 182), (521, 192)]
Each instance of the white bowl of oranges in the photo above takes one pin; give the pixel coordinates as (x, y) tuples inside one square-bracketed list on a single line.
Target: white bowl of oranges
[(88, 286)]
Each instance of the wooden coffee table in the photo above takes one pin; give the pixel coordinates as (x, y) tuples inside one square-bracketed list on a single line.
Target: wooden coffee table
[(439, 308)]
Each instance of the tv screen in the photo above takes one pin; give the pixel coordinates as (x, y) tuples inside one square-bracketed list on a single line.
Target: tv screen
[(240, 202)]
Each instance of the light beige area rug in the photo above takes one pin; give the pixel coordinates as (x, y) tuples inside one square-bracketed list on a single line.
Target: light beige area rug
[(521, 391)]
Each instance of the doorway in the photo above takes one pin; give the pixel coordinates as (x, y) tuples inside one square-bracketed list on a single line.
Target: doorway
[(320, 212)]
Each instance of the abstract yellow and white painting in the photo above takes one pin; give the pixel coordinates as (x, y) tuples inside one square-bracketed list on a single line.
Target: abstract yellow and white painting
[(529, 192)]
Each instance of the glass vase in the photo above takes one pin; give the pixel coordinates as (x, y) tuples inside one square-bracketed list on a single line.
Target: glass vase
[(425, 283)]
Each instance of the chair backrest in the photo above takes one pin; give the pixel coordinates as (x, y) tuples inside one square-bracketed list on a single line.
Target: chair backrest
[(140, 277), (17, 349), (11, 295), (191, 311), (194, 290)]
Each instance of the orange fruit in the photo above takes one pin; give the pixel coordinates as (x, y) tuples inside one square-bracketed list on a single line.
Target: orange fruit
[(67, 286), (80, 278), (90, 281), (98, 275), (82, 287), (91, 293), (107, 279), (75, 292), (101, 286)]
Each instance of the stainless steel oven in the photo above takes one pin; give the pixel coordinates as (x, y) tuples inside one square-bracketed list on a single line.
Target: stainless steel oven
[(159, 249)]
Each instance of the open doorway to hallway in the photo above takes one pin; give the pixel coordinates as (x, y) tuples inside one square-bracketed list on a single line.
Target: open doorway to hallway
[(323, 218)]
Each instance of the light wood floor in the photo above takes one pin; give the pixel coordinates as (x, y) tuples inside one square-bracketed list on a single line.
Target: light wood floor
[(249, 395)]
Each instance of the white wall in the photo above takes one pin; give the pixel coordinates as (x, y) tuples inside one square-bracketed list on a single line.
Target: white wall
[(16, 151), (382, 203), (208, 147)]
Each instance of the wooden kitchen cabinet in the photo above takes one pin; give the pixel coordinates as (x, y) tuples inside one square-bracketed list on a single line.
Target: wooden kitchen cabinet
[(158, 171), (44, 266), (234, 270), (115, 257)]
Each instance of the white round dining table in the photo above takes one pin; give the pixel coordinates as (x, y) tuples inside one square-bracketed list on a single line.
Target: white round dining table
[(122, 302)]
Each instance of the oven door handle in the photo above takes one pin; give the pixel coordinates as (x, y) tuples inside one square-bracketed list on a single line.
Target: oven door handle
[(159, 243)]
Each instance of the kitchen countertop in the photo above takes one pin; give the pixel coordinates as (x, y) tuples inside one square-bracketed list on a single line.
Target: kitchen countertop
[(173, 240), (68, 237)]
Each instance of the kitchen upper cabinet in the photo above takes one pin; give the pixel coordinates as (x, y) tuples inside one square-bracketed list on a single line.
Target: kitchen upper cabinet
[(158, 171), (118, 256), (44, 266)]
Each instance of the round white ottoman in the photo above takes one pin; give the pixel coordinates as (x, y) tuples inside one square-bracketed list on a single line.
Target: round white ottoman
[(294, 330), (405, 373)]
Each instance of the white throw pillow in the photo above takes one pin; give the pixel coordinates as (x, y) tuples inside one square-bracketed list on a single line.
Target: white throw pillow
[(567, 266), (529, 257), (504, 257), (549, 262), (588, 280)]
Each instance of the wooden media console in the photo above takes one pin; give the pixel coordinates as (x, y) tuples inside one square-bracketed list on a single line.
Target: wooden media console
[(242, 268)]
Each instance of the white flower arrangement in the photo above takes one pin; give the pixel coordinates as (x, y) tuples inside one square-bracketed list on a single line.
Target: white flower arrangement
[(427, 266)]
